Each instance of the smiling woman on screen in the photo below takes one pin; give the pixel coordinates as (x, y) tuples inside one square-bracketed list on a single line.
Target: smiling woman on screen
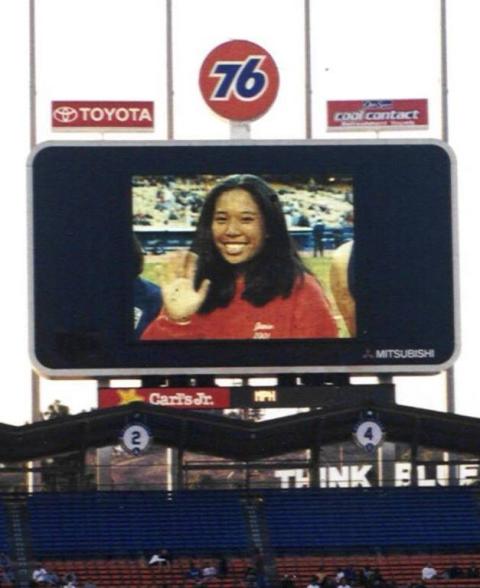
[(243, 278)]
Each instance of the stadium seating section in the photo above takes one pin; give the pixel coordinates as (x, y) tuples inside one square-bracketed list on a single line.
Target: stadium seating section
[(400, 568), (128, 523), (4, 545), (370, 519), (120, 573), (108, 536)]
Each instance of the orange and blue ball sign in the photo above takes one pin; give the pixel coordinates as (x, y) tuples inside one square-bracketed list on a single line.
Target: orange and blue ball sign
[(239, 80)]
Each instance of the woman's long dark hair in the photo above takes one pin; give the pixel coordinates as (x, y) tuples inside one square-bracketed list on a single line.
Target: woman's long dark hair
[(271, 273)]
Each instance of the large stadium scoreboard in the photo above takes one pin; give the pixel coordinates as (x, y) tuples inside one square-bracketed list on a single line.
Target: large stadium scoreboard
[(390, 205)]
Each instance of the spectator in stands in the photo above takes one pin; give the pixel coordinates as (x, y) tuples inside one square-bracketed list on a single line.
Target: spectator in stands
[(288, 215), (302, 220), (40, 576), (243, 278), (344, 583), (288, 581), (366, 576), (314, 583), (454, 571), (258, 563), (377, 580), (163, 558), (329, 582), (472, 571), (194, 572), (8, 575), (337, 236), (209, 572), (69, 580), (147, 298), (250, 577), (222, 567), (342, 284), (89, 584), (340, 574), (321, 575), (350, 574), (428, 572), (318, 232)]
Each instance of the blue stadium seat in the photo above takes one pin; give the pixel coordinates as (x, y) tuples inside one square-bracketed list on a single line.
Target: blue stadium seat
[(372, 519), (113, 523)]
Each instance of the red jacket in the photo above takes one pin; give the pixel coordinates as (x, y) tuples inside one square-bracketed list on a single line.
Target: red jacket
[(304, 314)]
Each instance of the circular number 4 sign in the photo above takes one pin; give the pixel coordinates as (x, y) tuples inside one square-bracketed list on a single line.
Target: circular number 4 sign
[(239, 80), (368, 434), (135, 439)]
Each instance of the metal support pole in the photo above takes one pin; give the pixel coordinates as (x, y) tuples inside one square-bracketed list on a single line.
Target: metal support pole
[(35, 381), (314, 466), (414, 455), (444, 66), (239, 130), (247, 477), (169, 42), (450, 374), (33, 89), (33, 478), (308, 73)]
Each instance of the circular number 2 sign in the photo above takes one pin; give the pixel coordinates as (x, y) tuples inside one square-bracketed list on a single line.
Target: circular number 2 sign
[(239, 80), (135, 438)]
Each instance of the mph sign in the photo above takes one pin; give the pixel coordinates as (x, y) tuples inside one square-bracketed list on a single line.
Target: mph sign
[(109, 116)]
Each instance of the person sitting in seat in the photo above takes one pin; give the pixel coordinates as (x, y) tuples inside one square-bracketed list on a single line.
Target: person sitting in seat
[(472, 571), (163, 558), (194, 572), (209, 572), (222, 567), (70, 580), (41, 577), (454, 571), (428, 572)]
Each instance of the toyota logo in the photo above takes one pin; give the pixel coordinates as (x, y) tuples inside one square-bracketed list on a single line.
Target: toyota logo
[(65, 114)]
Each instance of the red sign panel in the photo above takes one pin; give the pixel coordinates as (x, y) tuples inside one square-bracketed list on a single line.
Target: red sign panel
[(68, 115), (195, 398), (239, 80), (351, 115)]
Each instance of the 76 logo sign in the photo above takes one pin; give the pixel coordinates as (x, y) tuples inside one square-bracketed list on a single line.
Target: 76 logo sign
[(244, 79), (239, 80)]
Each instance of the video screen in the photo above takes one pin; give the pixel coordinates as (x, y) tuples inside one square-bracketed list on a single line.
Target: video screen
[(174, 258), (243, 256)]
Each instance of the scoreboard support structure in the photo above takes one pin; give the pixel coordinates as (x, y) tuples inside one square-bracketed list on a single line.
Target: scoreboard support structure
[(208, 392), (290, 391)]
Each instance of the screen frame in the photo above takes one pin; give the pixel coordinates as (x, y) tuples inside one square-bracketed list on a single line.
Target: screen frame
[(414, 367)]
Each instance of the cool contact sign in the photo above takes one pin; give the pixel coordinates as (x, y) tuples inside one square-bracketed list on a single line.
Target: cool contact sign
[(348, 115)]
